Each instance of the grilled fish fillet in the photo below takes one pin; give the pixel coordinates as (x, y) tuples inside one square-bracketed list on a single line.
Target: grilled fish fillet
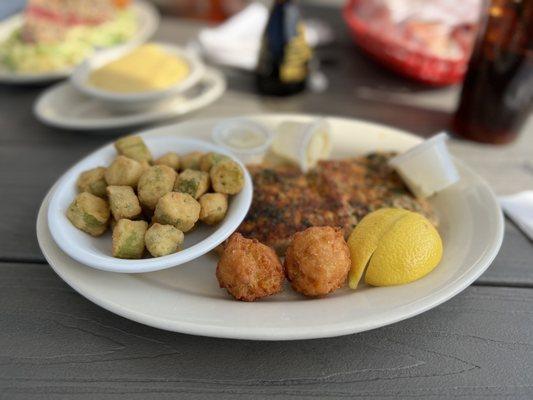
[(336, 193)]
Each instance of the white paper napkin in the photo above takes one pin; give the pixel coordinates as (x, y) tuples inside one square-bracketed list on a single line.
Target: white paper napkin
[(519, 207), (236, 42)]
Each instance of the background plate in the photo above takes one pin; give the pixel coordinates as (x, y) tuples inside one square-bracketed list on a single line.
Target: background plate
[(62, 106), (148, 19), (187, 298)]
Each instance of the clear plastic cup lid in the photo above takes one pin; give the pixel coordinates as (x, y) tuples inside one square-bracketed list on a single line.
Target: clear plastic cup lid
[(242, 136)]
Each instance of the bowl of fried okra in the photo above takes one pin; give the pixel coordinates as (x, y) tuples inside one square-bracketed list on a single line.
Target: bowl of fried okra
[(138, 206)]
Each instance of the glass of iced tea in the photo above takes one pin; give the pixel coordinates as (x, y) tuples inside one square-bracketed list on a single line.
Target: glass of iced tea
[(497, 93)]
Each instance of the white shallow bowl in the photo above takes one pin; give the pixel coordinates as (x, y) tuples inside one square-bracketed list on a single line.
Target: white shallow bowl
[(147, 21), (141, 100), (96, 251), (187, 299)]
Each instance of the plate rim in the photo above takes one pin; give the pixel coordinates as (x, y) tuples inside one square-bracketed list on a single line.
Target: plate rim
[(218, 88), (445, 293)]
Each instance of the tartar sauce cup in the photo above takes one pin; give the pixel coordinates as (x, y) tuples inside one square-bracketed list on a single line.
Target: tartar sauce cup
[(303, 143), (247, 140), (427, 168)]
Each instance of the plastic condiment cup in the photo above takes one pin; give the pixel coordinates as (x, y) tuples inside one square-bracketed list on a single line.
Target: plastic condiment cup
[(248, 140), (303, 143), (427, 168)]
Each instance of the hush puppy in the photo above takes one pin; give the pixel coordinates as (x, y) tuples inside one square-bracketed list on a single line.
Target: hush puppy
[(317, 261), (249, 270)]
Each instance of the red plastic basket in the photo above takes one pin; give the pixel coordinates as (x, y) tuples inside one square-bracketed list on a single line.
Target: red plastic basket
[(396, 56)]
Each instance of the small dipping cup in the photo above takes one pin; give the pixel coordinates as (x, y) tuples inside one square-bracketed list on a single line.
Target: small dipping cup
[(249, 141), (427, 168), (303, 143)]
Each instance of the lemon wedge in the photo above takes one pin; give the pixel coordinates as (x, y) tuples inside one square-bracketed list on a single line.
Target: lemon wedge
[(395, 246)]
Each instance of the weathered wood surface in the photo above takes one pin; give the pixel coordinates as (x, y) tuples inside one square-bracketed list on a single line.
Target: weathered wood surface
[(54, 344)]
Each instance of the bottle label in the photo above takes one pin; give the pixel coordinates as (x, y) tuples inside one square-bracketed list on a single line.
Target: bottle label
[(297, 54)]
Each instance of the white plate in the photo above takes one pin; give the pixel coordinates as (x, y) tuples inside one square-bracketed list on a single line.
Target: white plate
[(125, 101), (148, 21), (63, 106), (187, 299), (96, 251)]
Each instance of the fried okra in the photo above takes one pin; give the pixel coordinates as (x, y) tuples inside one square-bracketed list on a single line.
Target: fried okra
[(227, 177), (155, 183), (317, 261), (133, 147), (169, 159), (209, 159), (123, 202), (124, 171), (178, 209), (89, 213), (128, 238), (194, 182), (214, 207), (191, 160), (92, 181), (162, 240), (248, 269)]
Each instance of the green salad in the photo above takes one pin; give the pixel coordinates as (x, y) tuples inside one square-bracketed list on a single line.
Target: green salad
[(18, 56)]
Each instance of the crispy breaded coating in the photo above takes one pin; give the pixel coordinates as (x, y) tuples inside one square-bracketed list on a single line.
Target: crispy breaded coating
[(214, 207), (154, 183), (123, 202), (285, 201), (191, 160), (92, 181), (317, 261), (124, 171), (89, 213), (227, 177), (170, 159), (133, 147), (162, 240), (178, 209), (336, 193), (249, 270)]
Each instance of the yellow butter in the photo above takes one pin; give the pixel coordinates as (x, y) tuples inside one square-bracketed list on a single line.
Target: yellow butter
[(147, 68)]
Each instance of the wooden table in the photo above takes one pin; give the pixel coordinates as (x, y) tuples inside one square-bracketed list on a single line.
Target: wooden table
[(56, 344)]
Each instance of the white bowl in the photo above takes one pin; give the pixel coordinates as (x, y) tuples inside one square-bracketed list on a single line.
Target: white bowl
[(132, 101), (96, 251)]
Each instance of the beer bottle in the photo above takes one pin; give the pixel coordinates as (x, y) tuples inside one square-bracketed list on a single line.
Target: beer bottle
[(497, 94), (282, 67)]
